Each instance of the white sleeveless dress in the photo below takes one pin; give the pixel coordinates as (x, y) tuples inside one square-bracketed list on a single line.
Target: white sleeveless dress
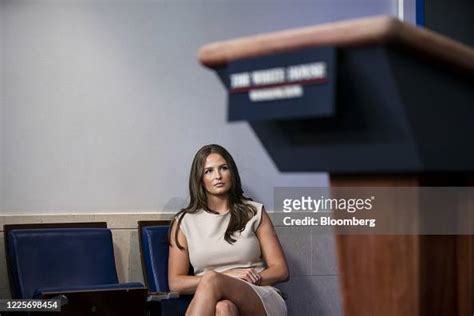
[(209, 251)]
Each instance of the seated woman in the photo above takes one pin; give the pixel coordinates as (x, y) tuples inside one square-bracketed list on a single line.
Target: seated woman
[(229, 241)]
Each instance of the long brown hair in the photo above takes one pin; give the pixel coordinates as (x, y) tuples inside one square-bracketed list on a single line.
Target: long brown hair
[(240, 212)]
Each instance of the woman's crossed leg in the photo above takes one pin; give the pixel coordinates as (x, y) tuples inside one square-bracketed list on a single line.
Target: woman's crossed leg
[(224, 295)]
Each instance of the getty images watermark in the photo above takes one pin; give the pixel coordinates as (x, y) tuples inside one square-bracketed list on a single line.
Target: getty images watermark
[(328, 205), (376, 210)]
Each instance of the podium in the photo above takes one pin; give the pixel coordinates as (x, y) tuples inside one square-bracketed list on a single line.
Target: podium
[(375, 102)]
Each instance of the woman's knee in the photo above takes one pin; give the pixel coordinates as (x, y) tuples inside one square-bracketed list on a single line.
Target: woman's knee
[(226, 308), (211, 281), (210, 278)]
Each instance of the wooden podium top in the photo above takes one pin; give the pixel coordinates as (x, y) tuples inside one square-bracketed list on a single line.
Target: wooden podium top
[(358, 32)]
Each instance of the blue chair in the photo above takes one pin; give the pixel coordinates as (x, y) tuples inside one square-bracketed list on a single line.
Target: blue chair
[(154, 253), (48, 258)]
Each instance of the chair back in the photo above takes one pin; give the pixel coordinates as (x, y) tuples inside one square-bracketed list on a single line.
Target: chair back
[(59, 257), (154, 249)]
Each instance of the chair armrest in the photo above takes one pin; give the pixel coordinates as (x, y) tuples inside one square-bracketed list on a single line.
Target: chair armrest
[(97, 287), (160, 296)]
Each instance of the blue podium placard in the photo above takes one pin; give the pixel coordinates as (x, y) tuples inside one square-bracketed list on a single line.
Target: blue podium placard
[(299, 84)]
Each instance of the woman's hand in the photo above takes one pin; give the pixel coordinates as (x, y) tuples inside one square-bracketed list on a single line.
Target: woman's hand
[(250, 275)]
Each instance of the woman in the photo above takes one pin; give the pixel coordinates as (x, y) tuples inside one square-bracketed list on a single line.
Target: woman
[(229, 241)]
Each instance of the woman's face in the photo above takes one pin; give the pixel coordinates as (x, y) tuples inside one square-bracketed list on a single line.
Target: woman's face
[(216, 175)]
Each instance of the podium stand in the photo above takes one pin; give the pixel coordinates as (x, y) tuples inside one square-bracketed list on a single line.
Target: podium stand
[(376, 103), (407, 274)]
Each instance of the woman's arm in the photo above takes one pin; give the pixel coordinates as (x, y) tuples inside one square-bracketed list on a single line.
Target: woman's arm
[(178, 266), (277, 268)]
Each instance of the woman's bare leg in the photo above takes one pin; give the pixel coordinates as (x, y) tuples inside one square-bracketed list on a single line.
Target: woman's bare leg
[(226, 308), (215, 287)]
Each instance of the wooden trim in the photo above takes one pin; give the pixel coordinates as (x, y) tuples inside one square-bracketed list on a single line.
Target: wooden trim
[(163, 222), (350, 33), (8, 227)]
